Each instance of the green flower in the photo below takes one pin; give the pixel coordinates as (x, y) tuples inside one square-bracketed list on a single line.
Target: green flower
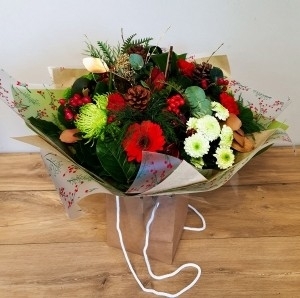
[(226, 136), (220, 111), (197, 162), (92, 118), (196, 145), (225, 157)]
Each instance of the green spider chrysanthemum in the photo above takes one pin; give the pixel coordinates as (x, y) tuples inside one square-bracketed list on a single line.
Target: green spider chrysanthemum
[(92, 118)]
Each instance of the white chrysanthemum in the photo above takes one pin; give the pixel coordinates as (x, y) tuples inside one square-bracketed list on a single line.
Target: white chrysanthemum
[(192, 123), (226, 136), (220, 111), (196, 145), (209, 126), (225, 157), (197, 162)]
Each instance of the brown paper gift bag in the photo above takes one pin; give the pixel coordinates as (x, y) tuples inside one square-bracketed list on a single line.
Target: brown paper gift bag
[(165, 231)]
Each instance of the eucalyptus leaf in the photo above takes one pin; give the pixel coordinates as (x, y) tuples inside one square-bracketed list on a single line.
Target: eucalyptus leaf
[(114, 161), (200, 105), (136, 61)]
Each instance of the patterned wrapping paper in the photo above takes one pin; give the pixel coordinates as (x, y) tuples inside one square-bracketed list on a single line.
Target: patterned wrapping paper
[(159, 174)]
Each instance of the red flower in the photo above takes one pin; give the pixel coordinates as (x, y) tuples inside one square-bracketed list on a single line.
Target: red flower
[(229, 103), (116, 102), (147, 136), (157, 79), (186, 68)]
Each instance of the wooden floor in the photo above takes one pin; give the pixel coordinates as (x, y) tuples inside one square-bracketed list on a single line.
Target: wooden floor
[(251, 247)]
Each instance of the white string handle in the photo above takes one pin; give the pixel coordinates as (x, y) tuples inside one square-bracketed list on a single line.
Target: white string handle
[(158, 277), (202, 218)]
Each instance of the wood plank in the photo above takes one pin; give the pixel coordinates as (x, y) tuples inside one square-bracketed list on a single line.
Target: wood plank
[(276, 165), (228, 212), (231, 268), (249, 211), (23, 171)]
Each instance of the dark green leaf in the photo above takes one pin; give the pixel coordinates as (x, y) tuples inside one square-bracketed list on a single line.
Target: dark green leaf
[(46, 127), (101, 88), (216, 73), (114, 161)]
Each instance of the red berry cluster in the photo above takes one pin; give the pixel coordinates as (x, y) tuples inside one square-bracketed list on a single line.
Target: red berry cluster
[(71, 107), (223, 83), (174, 103)]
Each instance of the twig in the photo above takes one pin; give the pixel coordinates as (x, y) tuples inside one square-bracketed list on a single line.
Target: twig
[(168, 62), (214, 52)]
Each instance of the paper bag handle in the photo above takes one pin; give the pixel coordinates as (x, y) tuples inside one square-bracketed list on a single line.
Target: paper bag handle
[(157, 277)]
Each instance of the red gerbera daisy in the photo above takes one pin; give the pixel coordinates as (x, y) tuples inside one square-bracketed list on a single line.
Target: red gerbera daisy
[(146, 136)]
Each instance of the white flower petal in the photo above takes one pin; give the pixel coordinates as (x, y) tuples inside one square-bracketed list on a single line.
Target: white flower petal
[(226, 136), (95, 65), (209, 126), (220, 111)]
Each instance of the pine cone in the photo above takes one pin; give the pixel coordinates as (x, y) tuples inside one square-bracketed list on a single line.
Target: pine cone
[(201, 71), (137, 97), (138, 49)]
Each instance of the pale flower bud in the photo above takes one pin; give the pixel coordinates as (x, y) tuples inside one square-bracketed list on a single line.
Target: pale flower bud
[(69, 136), (95, 65)]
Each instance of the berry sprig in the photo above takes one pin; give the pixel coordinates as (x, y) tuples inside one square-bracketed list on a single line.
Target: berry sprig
[(223, 83), (174, 103), (71, 106)]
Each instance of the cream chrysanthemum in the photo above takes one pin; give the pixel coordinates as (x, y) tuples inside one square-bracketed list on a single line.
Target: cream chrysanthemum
[(209, 127), (220, 111), (192, 123), (225, 157), (196, 145), (92, 118), (226, 136)]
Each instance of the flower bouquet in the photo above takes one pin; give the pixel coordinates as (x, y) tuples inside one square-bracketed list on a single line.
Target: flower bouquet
[(145, 122)]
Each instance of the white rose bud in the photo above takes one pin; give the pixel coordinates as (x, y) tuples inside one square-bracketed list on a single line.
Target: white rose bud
[(95, 65)]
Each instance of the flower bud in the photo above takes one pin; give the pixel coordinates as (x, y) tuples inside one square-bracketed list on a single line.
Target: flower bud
[(95, 65)]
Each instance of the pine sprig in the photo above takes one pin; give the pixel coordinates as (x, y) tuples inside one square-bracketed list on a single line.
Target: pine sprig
[(172, 85), (127, 43), (107, 52), (130, 42)]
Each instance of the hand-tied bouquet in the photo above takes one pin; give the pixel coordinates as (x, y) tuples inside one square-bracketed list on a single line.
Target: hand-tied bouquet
[(138, 102)]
